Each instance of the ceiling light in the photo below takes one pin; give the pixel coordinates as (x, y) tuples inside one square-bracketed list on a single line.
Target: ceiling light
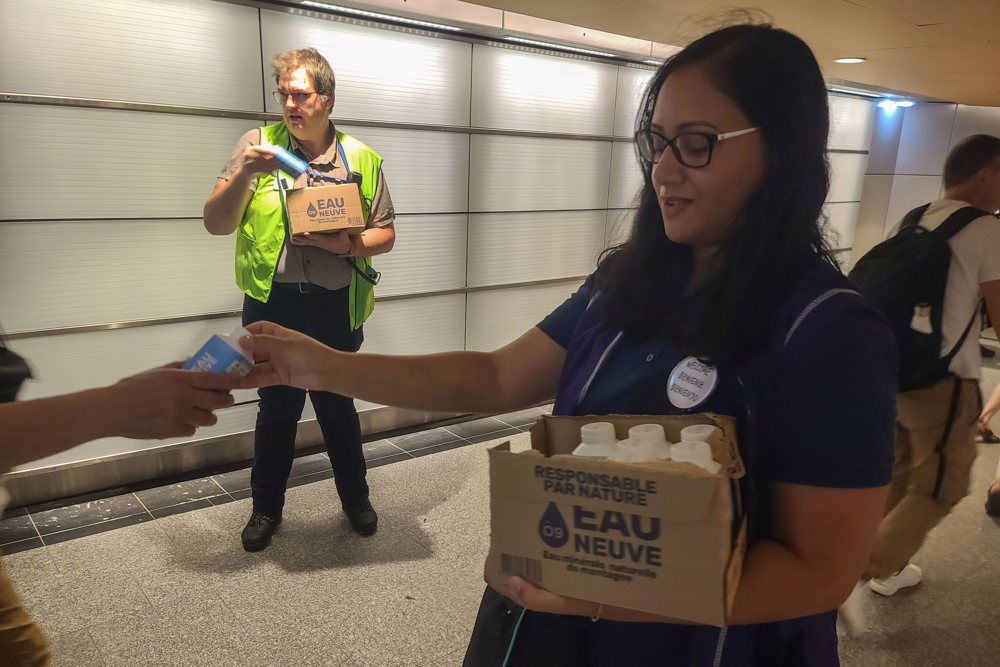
[(904, 103), (859, 93), (850, 61), (379, 17), (886, 105), (558, 47)]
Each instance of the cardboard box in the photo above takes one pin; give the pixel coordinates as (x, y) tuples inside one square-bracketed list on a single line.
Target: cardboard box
[(664, 537), (325, 209)]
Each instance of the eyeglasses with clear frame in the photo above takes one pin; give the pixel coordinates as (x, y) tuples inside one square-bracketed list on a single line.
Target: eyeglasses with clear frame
[(692, 149), (281, 97)]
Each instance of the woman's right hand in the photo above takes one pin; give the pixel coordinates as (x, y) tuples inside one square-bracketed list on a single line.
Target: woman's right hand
[(285, 357)]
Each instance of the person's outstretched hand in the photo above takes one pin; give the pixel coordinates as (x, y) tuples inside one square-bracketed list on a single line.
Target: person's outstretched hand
[(284, 357), (168, 402)]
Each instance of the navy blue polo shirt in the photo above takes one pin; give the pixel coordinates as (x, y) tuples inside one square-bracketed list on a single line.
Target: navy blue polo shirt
[(815, 406)]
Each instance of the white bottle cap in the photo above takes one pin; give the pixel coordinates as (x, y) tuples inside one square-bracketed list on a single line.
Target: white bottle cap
[(633, 451), (598, 433), (651, 433), (597, 440), (698, 432), (698, 453)]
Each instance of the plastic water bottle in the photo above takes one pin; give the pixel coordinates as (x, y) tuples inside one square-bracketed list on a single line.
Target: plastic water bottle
[(698, 432), (632, 451), (222, 354), (597, 440), (655, 438), (698, 453)]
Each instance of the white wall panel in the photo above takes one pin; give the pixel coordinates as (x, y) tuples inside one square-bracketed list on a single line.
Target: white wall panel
[(89, 272), (522, 247), (68, 163), (381, 74), (429, 255), (427, 172), (183, 52), (847, 175), (884, 150), (497, 317), (516, 90), (626, 176), (76, 361), (841, 219), (975, 120), (851, 121), (870, 226), (619, 226), (533, 174), (924, 139), (632, 83), (909, 192), (417, 326)]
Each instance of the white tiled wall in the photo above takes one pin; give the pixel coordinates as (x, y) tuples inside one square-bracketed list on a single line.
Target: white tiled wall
[(100, 208)]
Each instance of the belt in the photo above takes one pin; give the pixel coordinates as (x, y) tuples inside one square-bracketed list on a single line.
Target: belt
[(302, 288)]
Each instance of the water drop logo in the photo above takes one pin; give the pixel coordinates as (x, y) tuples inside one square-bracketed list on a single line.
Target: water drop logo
[(552, 528), (311, 211)]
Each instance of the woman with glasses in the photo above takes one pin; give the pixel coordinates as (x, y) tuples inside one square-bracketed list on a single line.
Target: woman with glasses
[(725, 265)]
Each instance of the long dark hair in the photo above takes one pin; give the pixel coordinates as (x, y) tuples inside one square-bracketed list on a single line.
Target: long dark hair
[(773, 77)]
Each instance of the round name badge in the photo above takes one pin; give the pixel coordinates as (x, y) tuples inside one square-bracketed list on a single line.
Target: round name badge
[(691, 383)]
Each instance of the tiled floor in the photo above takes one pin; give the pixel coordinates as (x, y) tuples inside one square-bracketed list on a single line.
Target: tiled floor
[(50, 523)]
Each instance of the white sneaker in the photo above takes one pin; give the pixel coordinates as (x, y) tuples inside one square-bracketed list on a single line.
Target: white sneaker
[(908, 576), (852, 613)]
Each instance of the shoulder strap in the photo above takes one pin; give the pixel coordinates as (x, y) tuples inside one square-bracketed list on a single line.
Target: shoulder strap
[(957, 221), (913, 217), (811, 306)]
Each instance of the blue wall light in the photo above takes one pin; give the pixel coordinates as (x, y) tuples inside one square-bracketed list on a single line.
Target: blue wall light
[(889, 105)]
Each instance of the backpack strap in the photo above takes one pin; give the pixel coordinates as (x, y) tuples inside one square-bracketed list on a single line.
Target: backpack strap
[(951, 355), (912, 218), (957, 221)]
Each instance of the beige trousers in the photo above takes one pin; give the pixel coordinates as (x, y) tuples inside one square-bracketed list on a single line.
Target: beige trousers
[(22, 642), (935, 450)]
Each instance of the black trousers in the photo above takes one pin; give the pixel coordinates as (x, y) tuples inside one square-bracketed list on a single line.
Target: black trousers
[(501, 637), (324, 316)]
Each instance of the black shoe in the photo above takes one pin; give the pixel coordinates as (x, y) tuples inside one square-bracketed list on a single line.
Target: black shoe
[(993, 503), (362, 516), (259, 530)]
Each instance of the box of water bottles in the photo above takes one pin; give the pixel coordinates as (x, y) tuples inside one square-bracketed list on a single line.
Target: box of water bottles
[(634, 511)]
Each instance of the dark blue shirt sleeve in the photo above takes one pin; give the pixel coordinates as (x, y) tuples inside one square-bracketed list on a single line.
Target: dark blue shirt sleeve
[(561, 322), (830, 418)]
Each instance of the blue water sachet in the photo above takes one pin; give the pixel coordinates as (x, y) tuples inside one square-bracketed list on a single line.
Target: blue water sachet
[(290, 164), (222, 354)]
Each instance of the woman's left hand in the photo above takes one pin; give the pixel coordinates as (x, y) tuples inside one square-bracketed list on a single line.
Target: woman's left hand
[(529, 596)]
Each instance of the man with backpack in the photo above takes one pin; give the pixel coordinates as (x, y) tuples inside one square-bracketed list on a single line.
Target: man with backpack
[(939, 401)]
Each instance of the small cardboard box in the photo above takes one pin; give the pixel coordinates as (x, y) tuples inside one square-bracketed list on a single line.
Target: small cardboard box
[(665, 537), (325, 209)]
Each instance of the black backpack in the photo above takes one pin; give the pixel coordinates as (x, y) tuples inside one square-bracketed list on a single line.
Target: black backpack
[(905, 277)]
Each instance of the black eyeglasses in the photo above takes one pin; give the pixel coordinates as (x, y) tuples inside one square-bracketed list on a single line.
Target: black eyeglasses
[(692, 149), (281, 97)]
